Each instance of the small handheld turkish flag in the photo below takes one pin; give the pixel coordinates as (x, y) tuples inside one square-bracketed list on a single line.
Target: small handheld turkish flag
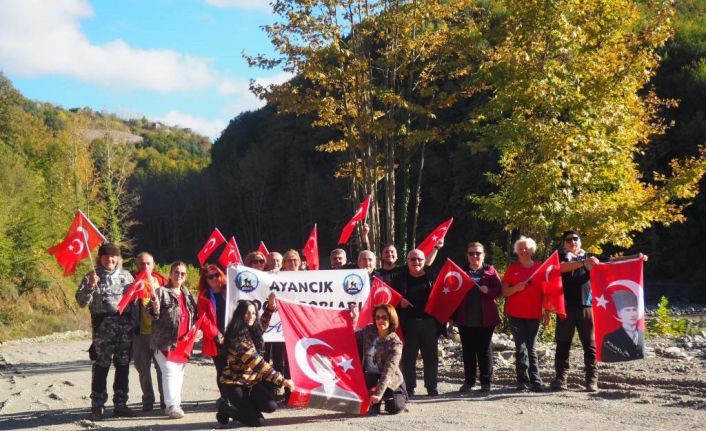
[(323, 358), (548, 275), (82, 237), (360, 215), (230, 254), (380, 293), (311, 250), (438, 233), (212, 243), (619, 310), (185, 345), (450, 287), (263, 249), (142, 288)]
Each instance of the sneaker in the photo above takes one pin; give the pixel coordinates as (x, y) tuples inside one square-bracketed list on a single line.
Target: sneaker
[(485, 388), (537, 387), (558, 384), (123, 411), (432, 392), (175, 412), (97, 413), (522, 386), (591, 386), (466, 387)]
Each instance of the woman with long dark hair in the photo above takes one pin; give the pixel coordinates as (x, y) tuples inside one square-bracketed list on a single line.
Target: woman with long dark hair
[(212, 304), (248, 379)]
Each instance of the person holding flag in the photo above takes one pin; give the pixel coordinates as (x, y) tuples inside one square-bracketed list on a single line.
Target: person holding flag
[(248, 378), (101, 290), (211, 304), (381, 350), (174, 310), (476, 318), (576, 267), (524, 308), (420, 329), (142, 356)]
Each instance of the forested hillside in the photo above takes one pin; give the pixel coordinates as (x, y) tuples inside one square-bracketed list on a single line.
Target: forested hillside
[(441, 142)]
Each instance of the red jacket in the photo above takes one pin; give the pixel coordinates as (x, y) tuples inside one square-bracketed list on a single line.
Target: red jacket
[(204, 307)]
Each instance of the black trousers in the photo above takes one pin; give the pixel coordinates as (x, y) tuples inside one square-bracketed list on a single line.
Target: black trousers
[(581, 320), (220, 362), (477, 347), (249, 403), (420, 335), (524, 332), (395, 400)]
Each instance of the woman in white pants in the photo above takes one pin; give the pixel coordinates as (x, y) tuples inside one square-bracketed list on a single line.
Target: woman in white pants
[(174, 309)]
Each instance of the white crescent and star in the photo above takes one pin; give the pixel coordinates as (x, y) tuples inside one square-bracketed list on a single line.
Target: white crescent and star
[(548, 273), (458, 278), (79, 246), (636, 289), (210, 244), (302, 356)]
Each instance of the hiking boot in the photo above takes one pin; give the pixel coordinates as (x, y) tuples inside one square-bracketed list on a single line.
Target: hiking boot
[(537, 387), (432, 392), (558, 384), (466, 387), (147, 407), (485, 388), (522, 386), (123, 411), (97, 413), (591, 385), (226, 411)]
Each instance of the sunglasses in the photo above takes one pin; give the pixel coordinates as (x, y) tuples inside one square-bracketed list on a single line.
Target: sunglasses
[(212, 276), (258, 261), (572, 239), (416, 259), (381, 317), (475, 253)]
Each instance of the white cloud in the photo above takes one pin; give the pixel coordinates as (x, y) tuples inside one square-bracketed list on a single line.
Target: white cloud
[(259, 5), (44, 37), (210, 128), (245, 100)]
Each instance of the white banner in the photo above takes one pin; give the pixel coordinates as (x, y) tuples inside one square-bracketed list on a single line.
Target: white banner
[(331, 289)]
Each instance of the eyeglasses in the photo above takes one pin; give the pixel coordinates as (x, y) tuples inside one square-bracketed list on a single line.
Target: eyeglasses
[(381, 317), (292, 259), (212, 276), (258, 261), (572, 239), (180, 274), (475, 253), (416, 259)]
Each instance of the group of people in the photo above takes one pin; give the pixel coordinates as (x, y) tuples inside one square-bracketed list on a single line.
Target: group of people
[(251, 374)]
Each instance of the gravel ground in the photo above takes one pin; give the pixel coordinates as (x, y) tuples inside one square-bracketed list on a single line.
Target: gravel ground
[(45, 383)]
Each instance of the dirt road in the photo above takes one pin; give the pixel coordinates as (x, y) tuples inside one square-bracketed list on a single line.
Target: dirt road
[(45, 383)]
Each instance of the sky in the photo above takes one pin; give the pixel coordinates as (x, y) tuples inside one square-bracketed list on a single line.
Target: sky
[(175, 61)]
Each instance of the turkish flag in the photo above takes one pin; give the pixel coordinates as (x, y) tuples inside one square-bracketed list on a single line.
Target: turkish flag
[(213, 241), (143, 287), (82, 237), (185, 344), (360, 215), (230, 254), (323, 358), (311, 250), (549, 276), (262, 249), (380, 293), (438, 233), (449, 289), (618, 310)]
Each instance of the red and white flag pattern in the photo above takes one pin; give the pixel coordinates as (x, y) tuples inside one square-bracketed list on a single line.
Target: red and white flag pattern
[(185, 345), (380, 293), (360, 215), (449, 289), (262, 249), (230, 254), (142, 288), (210, 246), (323, 358), (311, 250), (549, 276), (82, 237), (439, 232)]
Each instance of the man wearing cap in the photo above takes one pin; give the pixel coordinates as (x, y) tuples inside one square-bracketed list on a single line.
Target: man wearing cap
[(101, 290), (627, 343), (576, 265)]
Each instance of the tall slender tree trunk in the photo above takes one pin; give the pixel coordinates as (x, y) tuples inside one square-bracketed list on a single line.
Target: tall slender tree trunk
[(418, 195)]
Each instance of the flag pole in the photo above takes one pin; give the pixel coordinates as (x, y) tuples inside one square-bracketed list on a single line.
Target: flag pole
[(85, 244)]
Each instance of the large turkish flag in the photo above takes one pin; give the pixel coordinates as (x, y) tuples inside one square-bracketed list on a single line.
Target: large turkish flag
[(82, 237), (450, 287)]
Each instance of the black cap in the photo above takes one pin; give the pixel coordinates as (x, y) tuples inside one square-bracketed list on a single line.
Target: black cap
[(109, 248), (568, 233)]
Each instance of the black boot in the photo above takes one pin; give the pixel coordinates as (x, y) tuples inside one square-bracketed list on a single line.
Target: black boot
[(225, 411)]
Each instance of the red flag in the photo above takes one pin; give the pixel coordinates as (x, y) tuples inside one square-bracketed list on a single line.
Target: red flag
[(230, 254), (185, 345), (262, 249), (549, 276), (360, 215), (323, 358), (82, 237), (380, 293), (141, 288), (311, 250), (214, 241), (438, 233), (449, 289), (618, 310)]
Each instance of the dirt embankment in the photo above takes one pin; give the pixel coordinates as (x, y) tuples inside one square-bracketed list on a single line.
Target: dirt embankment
[(45, 383)]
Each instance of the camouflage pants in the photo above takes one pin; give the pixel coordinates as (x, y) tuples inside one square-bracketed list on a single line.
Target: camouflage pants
[(112, 340)]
